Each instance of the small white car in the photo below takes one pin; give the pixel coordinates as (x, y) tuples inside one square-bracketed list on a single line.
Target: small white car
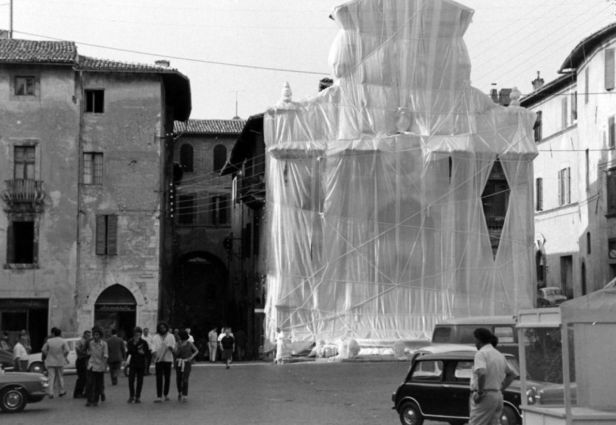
[(35, 360)]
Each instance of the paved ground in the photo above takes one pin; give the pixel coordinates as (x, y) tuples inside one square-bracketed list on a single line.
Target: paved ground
[(294, 394)]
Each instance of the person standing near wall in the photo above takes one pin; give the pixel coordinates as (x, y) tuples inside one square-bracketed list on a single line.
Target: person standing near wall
[(163, 345), (97, 364), (212, 344), (81, 350), (137, 349), (55, 351), (20, 355), (227, 345), (185, 352), (117, 353)]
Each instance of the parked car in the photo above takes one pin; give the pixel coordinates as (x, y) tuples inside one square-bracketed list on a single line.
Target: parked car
[(437, 387), (550, 296), (460, 331), (6, 359), (20, 388), (35, 360)]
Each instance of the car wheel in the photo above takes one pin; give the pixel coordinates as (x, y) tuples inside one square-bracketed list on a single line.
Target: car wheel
[(509, 416), (37, 367), (12, 400), (410, 414)]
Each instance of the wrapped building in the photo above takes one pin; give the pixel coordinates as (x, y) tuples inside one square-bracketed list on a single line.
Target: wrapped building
[(401, 195)]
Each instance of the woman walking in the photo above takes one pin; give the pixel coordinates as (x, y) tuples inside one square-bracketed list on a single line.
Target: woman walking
[(185, 352), (55, 351), (97, 364), (137, 349), (163, 345)]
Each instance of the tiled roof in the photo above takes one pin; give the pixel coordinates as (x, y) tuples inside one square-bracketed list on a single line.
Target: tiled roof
[(234, 126), (87, 63), (31, 51)]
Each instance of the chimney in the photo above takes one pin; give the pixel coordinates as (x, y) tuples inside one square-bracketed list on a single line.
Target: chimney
[(503, 97), (538, 82), (163, 62), (325, 83), (494, 94), (4, 35)]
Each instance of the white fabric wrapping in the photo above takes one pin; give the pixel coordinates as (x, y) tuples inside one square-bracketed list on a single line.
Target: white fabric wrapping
[(376, 227)]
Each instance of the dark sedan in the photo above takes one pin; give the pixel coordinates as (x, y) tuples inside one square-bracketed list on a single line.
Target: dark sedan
[(437, 387)]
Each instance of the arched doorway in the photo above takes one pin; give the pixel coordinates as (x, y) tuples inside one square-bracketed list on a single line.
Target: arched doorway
[(116, 308), (200, 294)]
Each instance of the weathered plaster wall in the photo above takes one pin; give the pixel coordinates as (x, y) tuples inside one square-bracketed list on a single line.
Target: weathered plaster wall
[(128, 133), (50, 121)]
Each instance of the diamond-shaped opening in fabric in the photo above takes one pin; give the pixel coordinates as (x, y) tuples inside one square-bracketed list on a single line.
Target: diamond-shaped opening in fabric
[(495, 200)]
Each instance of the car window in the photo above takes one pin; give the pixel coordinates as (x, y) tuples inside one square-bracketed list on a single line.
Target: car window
[(441, 334), (465, 334), (504, 334), (429, 370), (463, 371)]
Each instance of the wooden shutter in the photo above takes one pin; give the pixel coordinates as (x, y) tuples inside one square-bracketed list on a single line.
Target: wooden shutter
[(538, 128), (539, 194), (10, 244), (101, 235), (565, 114), (611, 192), (609, 69), (611, 131), (573, 106), (112, 235)]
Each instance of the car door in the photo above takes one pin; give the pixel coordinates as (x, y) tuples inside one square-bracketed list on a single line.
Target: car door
[(425, 385), (457, 384)]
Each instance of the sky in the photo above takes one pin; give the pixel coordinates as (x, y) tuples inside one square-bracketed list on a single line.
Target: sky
[(508, 41)]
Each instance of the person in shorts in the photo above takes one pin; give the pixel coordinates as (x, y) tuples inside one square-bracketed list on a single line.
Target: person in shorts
[(227, 346)]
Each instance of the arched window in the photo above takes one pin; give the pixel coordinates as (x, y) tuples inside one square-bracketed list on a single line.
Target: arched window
[(186, 157), (220, 157)]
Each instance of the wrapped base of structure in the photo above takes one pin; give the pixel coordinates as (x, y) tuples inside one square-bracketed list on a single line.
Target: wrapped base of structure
[(401, 195)]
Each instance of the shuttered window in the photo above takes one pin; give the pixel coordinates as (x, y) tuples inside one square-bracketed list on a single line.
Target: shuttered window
[(107, 234), (538, 128), (565, 113), (573, 106), (93, 168), (611, 132), (539, 194), (609, 69), (611, 192), (564, 186)]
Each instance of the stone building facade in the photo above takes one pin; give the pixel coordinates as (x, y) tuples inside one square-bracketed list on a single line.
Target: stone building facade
[(82, 144), (575, 171)]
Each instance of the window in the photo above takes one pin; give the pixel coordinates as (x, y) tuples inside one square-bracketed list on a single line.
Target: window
[(574, 106), (93, 168), (611, 192), (587, 157), (504, 334), (539, 194), (220, 157), (25, 85), (95, 101), (441, 334), (495, 200), (220, 210), (564, 186), (609, 69), (586, 85), (187, 157), (21, 245), (428, 370), (611, 132), (106, 235), (565, 114), (186, 209), (538, 127), (24, 161), (463, 371), (588, 243)]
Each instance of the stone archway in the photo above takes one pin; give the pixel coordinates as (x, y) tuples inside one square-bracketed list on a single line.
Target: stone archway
[(200, 293), (116, 308)]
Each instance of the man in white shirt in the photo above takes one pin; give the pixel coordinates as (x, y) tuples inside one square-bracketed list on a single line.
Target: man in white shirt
[(491, 375), (20, 355), (163, 346)]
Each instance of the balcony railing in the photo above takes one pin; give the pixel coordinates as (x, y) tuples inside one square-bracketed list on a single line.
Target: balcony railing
[(23, 191)]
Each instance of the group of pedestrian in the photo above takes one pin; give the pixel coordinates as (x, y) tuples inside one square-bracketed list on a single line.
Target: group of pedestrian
[(227, 344), (20, 350), (95, 356)]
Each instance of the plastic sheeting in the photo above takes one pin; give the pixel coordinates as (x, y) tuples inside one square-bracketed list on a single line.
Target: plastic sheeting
[(376, 224)]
